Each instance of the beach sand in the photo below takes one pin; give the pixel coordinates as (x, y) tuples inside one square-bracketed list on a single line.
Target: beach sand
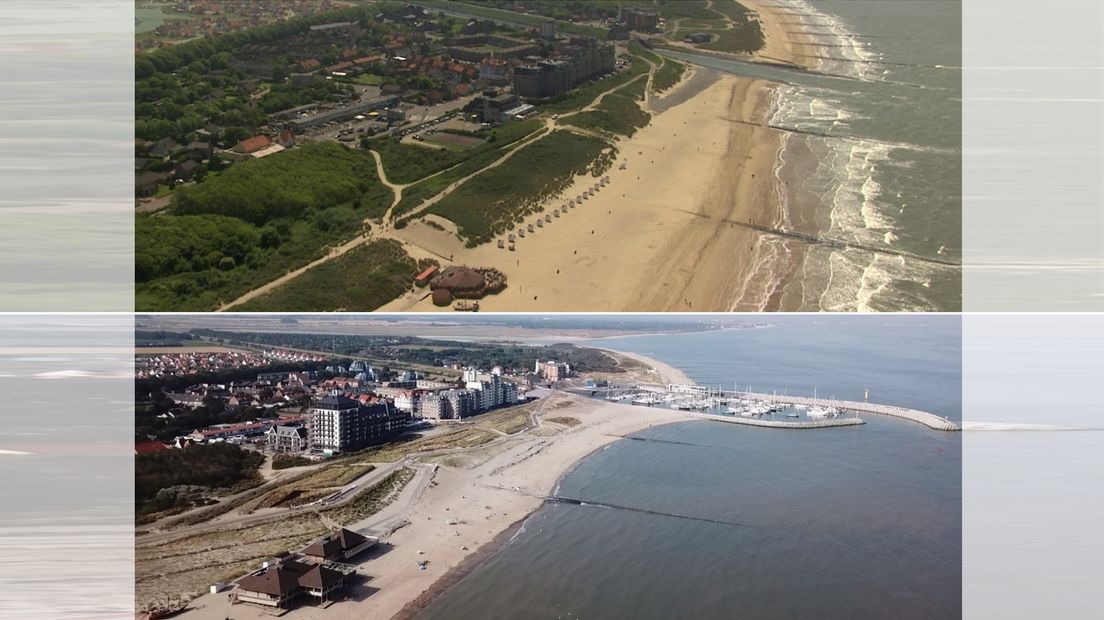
[(782, 40), (661, 373), (487, 492), (698, 167)]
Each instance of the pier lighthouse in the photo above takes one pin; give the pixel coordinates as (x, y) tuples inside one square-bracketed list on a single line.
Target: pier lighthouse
[(866, 395)]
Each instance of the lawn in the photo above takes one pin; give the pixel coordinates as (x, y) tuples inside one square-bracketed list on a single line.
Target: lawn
[(744, 38)]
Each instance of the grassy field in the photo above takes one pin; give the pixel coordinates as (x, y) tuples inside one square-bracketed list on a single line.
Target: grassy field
[(509, 421), (494, 201), (564, 420), (668, 75), (692, 25), (415, 195), (407, 163), (251, 224), (369, 79), (363, 278), (618, 114)]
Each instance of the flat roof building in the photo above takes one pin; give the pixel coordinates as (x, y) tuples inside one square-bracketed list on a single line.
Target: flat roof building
[(306, 123)]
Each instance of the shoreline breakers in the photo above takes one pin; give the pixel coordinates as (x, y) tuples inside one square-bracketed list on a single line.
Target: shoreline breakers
[(675, 394)]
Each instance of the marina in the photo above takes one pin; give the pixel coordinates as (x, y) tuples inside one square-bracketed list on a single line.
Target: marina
[(759, 409)]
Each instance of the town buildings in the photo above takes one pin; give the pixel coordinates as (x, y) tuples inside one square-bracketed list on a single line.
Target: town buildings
[(579, 59), (340, 424), (639, 19), (552, 371), (286, 438)]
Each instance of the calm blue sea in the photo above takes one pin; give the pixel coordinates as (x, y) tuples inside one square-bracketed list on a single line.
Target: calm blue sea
[(854, 522)]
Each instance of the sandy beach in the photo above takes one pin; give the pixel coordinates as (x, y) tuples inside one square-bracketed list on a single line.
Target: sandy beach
[(782, 41), (698, 167), (457, 505), (664, 373)]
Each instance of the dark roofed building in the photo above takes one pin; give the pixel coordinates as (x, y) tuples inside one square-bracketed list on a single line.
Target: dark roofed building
[(186, 170), (340, 424), (274, 585), (164, 147), (339, 545), (146, 183), (321, 582), (277, 585)]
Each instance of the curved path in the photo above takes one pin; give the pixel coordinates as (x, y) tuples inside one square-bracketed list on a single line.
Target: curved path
[(385, 229)]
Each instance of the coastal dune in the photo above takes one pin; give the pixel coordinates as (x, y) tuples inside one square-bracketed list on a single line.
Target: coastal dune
[(661, 236)]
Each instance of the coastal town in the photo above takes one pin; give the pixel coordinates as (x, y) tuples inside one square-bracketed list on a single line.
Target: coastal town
[(276, 477), (311, 445)]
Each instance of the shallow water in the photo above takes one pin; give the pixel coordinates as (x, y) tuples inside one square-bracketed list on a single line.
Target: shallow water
[(713, 520), (872, 157)]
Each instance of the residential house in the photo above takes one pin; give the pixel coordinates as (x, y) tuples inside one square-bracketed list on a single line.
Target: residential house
[(286, 438)]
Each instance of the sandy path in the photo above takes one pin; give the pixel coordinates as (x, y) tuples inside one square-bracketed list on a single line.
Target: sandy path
[(460, 510)]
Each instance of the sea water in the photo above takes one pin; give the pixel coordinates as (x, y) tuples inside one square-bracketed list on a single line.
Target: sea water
[(718, 520), (871, 158)]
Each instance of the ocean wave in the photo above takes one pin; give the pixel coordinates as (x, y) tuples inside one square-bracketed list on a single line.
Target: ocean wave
[(857, 57)]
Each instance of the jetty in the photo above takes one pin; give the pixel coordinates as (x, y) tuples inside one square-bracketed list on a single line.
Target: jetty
[(927, 419), (825, 423)]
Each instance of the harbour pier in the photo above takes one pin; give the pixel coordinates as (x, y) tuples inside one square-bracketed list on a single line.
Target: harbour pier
[(927, 419), (825, 423)]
